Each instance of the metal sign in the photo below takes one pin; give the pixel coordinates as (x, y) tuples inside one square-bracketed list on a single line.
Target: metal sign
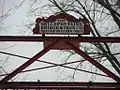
[(62, 24)]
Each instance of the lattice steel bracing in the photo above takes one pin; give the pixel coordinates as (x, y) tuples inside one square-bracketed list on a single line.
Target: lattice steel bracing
[(52, 43)]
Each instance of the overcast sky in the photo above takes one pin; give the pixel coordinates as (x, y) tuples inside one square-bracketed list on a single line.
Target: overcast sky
[(14, 25)]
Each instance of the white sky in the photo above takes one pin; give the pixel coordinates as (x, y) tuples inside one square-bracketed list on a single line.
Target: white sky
[(14, 24)]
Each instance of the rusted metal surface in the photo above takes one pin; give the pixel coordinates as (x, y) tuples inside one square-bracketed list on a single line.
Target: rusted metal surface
[(41, 39)]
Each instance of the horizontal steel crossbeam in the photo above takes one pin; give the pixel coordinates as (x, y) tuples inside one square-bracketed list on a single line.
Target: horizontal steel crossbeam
[(47, 85), (41, 39), (58, 85)]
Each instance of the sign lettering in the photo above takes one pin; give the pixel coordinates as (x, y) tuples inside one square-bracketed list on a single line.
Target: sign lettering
[(61, 26)]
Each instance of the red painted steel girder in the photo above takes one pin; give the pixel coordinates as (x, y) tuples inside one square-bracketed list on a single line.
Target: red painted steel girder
[(95, 63), (27, 63), (76, 49), (41, 39), (58, 85)]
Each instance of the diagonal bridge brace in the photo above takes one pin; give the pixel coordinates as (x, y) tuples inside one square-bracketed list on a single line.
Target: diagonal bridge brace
[(95, 63), (28, 63), (54, 44)]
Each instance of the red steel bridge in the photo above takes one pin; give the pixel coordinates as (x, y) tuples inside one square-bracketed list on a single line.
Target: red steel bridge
[(52, 43)]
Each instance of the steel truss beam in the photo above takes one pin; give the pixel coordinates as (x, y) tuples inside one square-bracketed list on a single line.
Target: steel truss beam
[(52, 65), (61, 65), (60, 85), (26, 64), (41, 39), (95, 63), (76, 49), (23, 85)]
